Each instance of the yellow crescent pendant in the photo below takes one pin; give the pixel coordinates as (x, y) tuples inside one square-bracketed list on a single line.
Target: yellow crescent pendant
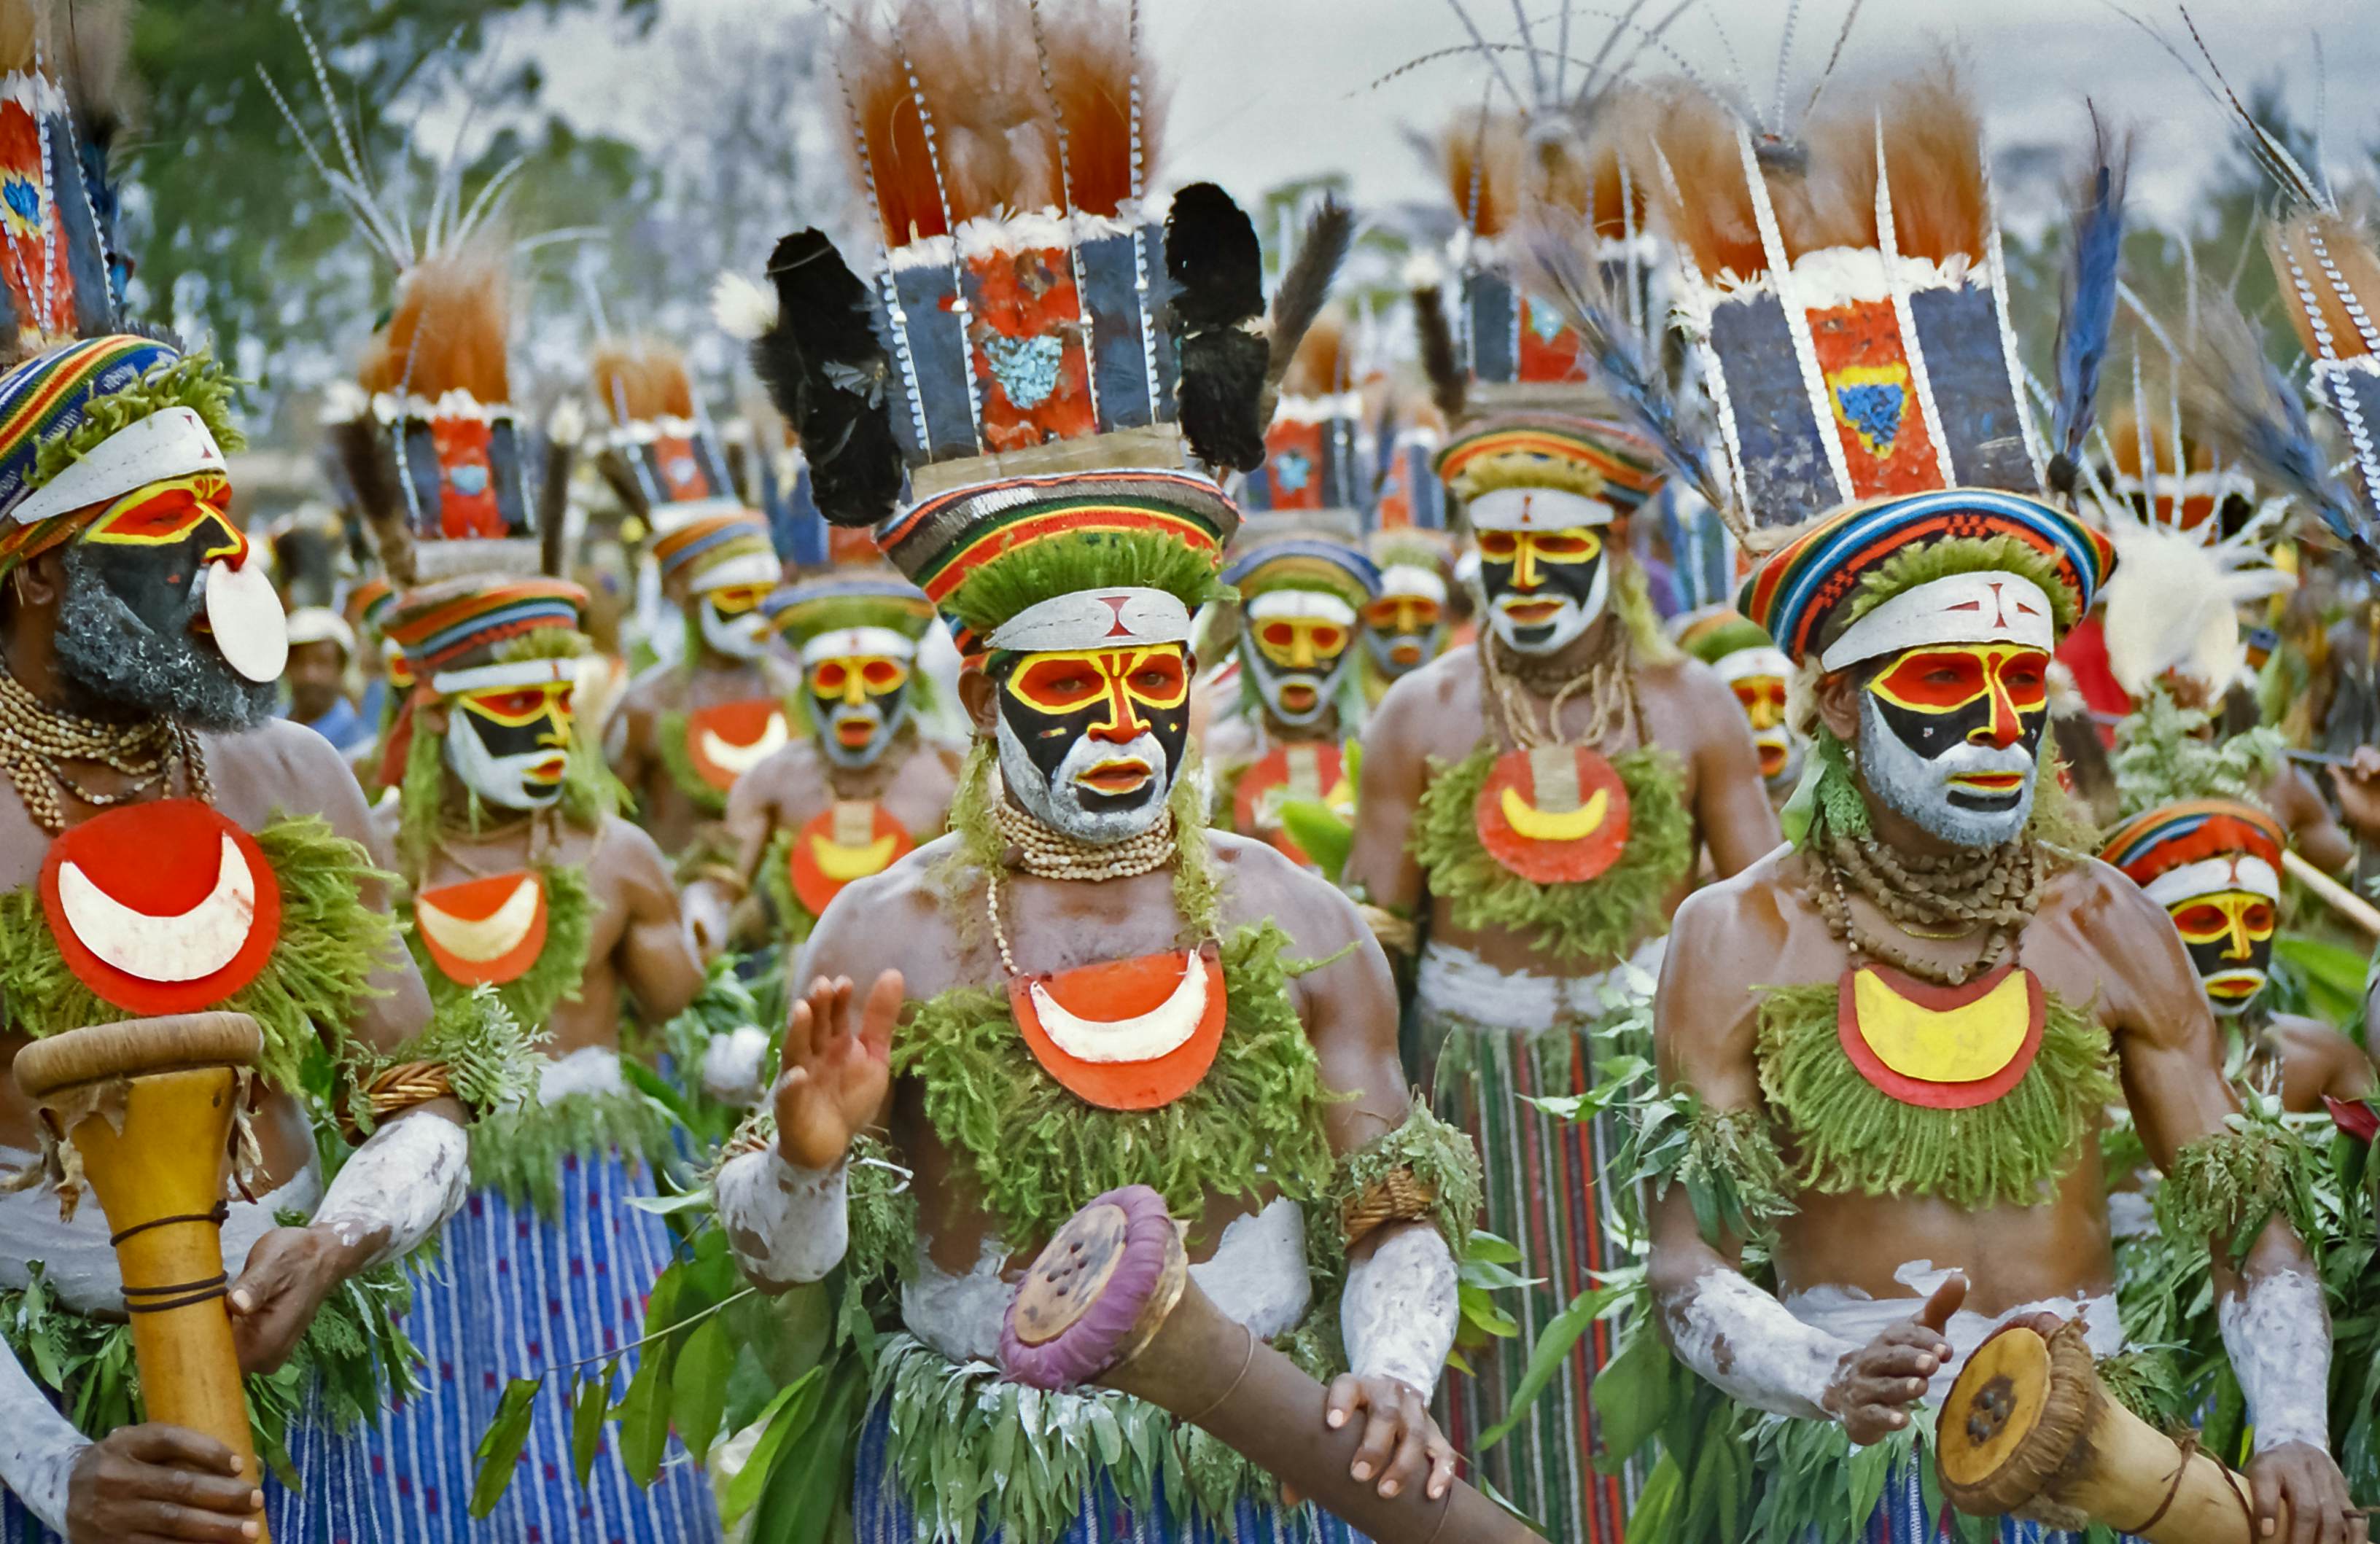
[(1546, 826), (843, 864)]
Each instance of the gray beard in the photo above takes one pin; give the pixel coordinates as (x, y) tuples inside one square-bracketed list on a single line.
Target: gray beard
[(1056, 802), (112, 657), (1914, 787)]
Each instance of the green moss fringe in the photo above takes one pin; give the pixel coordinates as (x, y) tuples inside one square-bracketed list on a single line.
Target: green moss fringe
[(1027, 575), (1253, 1123), (354, 1352), (197, 381), (2164, 757), (318, 974), (518, 1151), (1441, 1156), (678, 762), (489, 1056), (1596, 922), (776, 881), (530, 997), (1728, 1160), (1851, 1136), (2227, 1185)]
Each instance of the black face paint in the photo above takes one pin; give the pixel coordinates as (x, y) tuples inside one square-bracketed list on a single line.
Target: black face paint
[(1072, 712), (130, 665), (1543, 589)]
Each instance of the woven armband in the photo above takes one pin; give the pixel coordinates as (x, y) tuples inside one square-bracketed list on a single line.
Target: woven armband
[(2227, 1185), (473, 1050), (1396, 935), (392, 1091), (1423, 1171)]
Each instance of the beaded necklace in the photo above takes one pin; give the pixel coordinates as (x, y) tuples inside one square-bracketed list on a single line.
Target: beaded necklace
[(1998, 890), (1048, 854), (36, 740), (1609, 685)]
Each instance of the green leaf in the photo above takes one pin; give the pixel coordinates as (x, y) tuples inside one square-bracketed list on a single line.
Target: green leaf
[(669, 1206), (1324, 834), (500, 1445), (1490, 1249), (788, 1416), (593, 1400), (805, 1490), (698, 1386), (643, 1415), (1481, 1312), (1545, 1357)]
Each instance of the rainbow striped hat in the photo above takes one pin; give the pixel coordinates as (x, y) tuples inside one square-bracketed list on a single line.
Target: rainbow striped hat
[(1289, 556), (1539, 470), (715, 551), (369, 602), (825, 610), (2198, 846), (462, 634), (2019, 571)]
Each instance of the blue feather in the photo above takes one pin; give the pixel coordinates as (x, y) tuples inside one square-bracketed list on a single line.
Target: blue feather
[(2090, 301)]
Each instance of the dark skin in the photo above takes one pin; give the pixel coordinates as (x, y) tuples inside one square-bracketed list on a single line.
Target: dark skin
[(316, 676), (632, 741), (895, 931), (158, 1481), (2308, 1061), (1244, 738), (915, 781), (638, 941), (1440, 710), (2095, 940)]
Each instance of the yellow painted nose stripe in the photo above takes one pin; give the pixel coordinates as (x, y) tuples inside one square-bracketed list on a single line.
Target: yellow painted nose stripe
[(1944, 1046)]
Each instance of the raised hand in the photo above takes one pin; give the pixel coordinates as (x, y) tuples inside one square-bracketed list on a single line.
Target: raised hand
[(1874, 1385), (837, 1067), (159, 1482)]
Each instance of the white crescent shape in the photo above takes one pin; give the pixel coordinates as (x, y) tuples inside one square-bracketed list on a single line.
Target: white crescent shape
[(245, 615), (491, 937), (1150, 1035), (729, 756), (191, 947)]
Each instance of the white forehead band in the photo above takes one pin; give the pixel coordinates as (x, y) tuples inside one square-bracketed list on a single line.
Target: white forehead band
[(2211, 876), (1408, 579), (1986, 608), (1095, 618), (859, 643), (1273, 604), (1761, 659), (519, 673), (172, 443), (1536, 509)]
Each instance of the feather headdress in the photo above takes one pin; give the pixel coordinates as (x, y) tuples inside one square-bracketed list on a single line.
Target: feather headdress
[(661, 455)]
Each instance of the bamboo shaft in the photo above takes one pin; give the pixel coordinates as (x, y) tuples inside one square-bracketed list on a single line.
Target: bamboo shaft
[(2338, 897)]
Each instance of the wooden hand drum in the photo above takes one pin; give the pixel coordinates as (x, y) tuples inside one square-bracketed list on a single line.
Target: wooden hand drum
[(1111, 1302), (149, 1105), (2028, 1429)]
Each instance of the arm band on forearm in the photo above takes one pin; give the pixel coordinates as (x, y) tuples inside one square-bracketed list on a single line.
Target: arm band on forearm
[(2278, 1338), (405, 1181), (787, 1225), (1400, 1309)]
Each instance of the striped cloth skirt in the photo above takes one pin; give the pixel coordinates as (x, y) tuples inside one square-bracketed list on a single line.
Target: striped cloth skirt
[(335, 1505), (1546, 1194), (515, 1292), (881, 1514), (1901, 1518)]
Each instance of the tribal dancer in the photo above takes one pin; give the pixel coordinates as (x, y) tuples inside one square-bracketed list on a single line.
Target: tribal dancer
[(171, 848), (1536, 801), (530, 896), (688, 727), (1755, 670), (1910, 1185), (1406, 624), (1096, 989), (861, 788)]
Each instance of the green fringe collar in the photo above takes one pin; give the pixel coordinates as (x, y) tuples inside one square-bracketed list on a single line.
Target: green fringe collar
[(1851, 1136), (1253, 1124), (518, 1151), (1597, 921)]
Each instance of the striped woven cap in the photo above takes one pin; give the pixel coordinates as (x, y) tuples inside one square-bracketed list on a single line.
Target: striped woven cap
[(369, 602), (1053, 526), (461, 621), (1797, 588), (2157, 841), (48, 397), (1715, 631), (1304, 563), (1629, 468), (800, 612), (701, 548)]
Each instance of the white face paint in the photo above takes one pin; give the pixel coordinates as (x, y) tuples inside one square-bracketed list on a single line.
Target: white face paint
[(1294, 647), (525, 781), (1546, 620), (1919, 788), (1057, 799), (743, 635)]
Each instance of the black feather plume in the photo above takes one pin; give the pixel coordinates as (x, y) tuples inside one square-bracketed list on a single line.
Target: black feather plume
[(1217, 267), (553, 503), (2089, 308), (827, 373), (1449, 386), (1306, 285), (367, 457)]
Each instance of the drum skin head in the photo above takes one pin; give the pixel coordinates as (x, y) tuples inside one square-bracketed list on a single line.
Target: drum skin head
[(1994, 1406), (1098, 1293), (2020, 1409)]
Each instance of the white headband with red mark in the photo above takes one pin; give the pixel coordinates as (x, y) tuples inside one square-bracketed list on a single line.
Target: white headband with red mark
[(1982, 608), (1119, 618)]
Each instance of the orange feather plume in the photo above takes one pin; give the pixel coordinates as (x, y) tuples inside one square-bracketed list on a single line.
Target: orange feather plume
[(645, 380), (2304, 239), (1320, 366), (1934, 155), (450, 327), (20, 35), (1703, 202), (1500, 167)]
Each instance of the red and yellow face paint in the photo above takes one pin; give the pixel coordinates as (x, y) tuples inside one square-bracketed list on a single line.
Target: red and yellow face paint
[(2229, 935), (1946, 695), (1300, 642), (1057, 700)]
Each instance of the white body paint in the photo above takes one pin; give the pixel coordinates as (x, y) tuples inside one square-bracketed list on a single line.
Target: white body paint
[(857, 643), (1920, 788), (1399, 579), (1457, 983), (38, 1446), (1536, 509), (408, 1178), (1858, 1318), (1746, 1344), (1399, 1313), (730, 1065), (504, 781), (2278, 1338), (787, 1225), (591, 1069), (2239, 871), (186, 946), (1143, 1037), (172, 442), (1312, 604), (1124, 618)]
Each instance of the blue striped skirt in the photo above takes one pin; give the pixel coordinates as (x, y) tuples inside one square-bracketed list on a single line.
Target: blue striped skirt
[(334, 1507), (1901, 1518), (881, 1514), (514, 1293)]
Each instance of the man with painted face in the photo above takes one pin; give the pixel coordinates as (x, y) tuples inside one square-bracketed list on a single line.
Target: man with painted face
[(1406, 624), (1302, 598), (1088, 982), (687, 729), (1755, 670), (861, 789)]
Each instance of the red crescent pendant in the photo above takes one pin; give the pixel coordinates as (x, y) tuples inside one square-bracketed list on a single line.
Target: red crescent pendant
[(1940, 1047), (1309, 769), (1554, 816), (483, 932), (725, 741), (160, 907), (1128, 1035), (852, 840)]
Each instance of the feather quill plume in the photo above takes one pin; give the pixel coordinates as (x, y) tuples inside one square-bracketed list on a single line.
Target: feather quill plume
[(1499, 166), (1934, 155), (1449, 386), (1320, 366), (2093, 265), (976, 70), (1557, 263), (827, 373), (2252, 416), (1303, 290), (449, 330), (2316, 253), (564, 426), (365, 452)]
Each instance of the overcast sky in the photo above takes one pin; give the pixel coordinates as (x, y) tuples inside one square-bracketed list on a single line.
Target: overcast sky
[(1265, 91)]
